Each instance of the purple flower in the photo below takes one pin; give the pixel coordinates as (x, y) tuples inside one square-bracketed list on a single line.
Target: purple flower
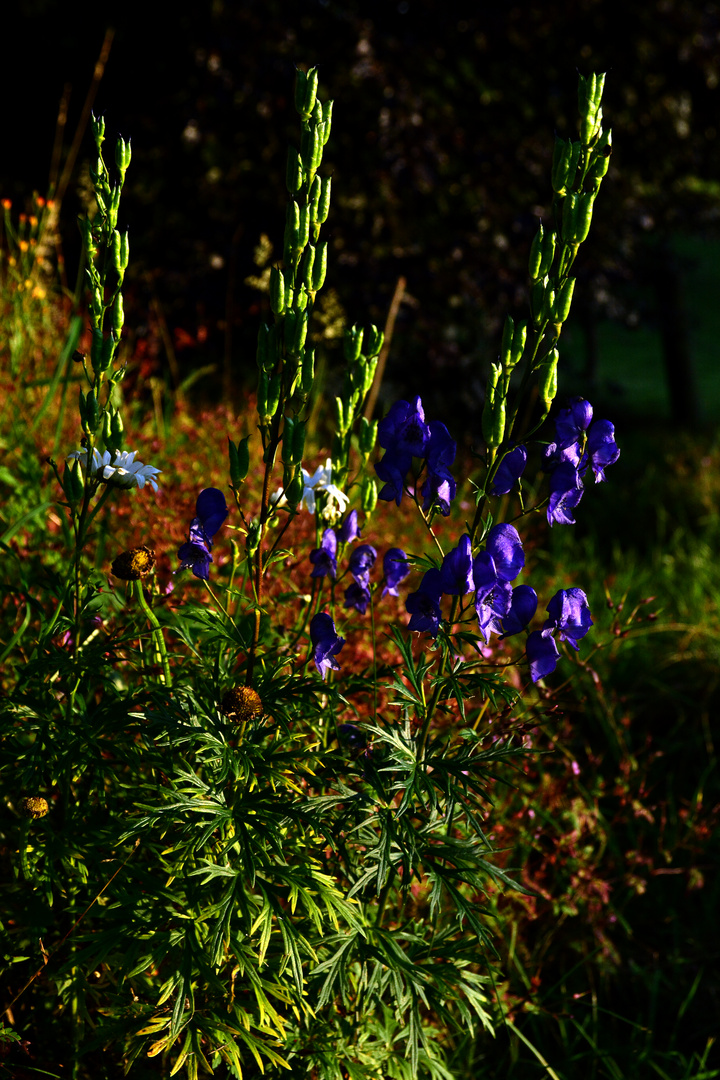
[(456, 573), (352, 736), (326, 643), (362, 561), (523, 606), (439, 487), (509, 471), (542, 652), (349, 529), (357, 596), (210, 512), (424, 604), (396, 568), (569, 615), (404, 430), (493, 570), (324, 558), (572, 423), (602, 448), (392, 469), (566, 491)]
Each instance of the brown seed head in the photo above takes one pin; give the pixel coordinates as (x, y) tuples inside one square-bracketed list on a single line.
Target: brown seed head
[(134, 564), (241, 704), (34, 806)]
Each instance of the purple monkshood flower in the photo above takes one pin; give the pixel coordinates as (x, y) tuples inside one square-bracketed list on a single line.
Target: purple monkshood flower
[(439, 487), (566, 491), (324, 558), (424, 604), (326, 643), (361, 563), (572, 423), (456, 573), (493, 570), (352, 736), (509, 471), (404, 430), (210, 512), (542, 652), (396, 568), (601, 448), (569, 615), (522, 609), (392, 470), (357, 596), (349, 529)]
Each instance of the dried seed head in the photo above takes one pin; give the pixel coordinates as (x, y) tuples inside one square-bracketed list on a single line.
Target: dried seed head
[(241, 704), (34, 806), (134, 564)]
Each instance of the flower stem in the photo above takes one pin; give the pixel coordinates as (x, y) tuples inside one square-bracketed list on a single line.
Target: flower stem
[(156, 632)]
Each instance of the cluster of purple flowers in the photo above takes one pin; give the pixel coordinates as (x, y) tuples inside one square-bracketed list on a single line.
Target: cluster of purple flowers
[(362, 560), (500, 608), (210, 512), (405, 435), (579, 443)]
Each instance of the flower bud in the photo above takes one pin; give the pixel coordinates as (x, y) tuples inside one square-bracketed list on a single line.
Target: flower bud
[(34, 806), (134, 564)]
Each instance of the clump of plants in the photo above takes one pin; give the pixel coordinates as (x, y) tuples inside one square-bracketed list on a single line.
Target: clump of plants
[(247, 831)]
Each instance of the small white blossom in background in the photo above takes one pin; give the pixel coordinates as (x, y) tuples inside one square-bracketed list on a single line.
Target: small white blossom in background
[(320, 481), (122, 470)]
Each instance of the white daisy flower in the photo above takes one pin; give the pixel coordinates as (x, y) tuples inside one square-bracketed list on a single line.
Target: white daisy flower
[(122, 470)]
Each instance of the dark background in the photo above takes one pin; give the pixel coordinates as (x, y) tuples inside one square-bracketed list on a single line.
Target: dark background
[(440, 153)]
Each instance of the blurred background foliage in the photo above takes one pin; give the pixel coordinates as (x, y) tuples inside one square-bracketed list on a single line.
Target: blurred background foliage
[(440, 159)]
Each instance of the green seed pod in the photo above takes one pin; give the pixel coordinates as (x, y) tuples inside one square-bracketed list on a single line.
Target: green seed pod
[(535, 260), (239, 460), (117, 431), (92, 412), (306, 266), (114, 206), (299, 441), (289, 326), (518, 345), (303, 234), (308, 372), (117, 315), (369, 495), (565, 162), (584, 216), (317, 113), (343, 423), (327, 120), (314, 199), (294, 490), (123, 154), (96, 349), (82, 410), (97, 127), (124, 249), (547, 378), (369, 370), (537, 297), (498, 421), (507, 341), (311, 86), (108, 352), (490, 404), (548, 252), (73, 481), (89, 244), (367, 436), (547, 305), (300, 89), (563, 300), (374, 341), (352, 343), (324, 207), (287, 441), (294, 171), (273, 399), (601, 158), (277, 291), (106, 422), (311, 148), (301, 329), (570, 218), (319, 269)]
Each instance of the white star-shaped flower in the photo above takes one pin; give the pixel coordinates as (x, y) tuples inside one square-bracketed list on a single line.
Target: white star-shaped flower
[(321, 481), (122, 469)]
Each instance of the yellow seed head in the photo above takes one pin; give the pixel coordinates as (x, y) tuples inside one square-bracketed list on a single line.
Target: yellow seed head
[(134, 564), (241, 704)]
